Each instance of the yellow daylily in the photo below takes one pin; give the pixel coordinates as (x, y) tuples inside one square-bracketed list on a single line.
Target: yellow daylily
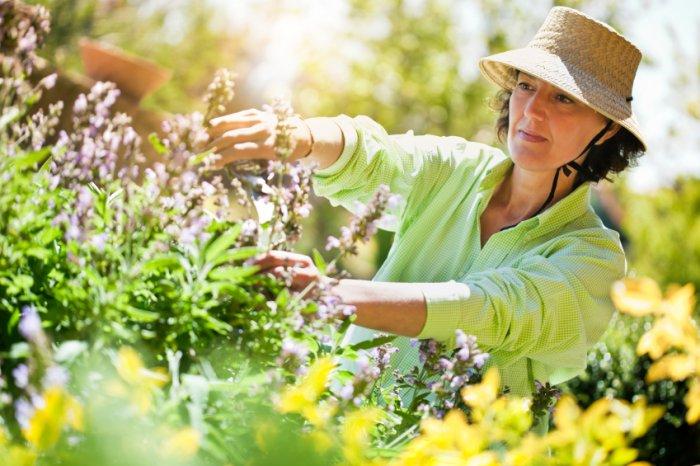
[(46, 424), (636, 296), (356, 433), (302, 398), (664, 335), (184, 443), (480, 396), (679, 302), (15, 455), (138, 383), (673, 366)]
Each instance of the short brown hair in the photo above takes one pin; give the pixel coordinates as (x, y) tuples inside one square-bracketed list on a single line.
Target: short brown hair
[(620, 151)]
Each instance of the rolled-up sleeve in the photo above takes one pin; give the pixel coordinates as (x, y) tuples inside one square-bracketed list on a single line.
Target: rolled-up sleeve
[(371, 157), (550, 309)]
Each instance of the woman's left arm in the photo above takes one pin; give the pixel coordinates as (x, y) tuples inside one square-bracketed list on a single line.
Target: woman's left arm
[(397, 308)]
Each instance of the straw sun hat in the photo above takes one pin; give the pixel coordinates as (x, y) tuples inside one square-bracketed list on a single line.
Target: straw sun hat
[(584, 57)]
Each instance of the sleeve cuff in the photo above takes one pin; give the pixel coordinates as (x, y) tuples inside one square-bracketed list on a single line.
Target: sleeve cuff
[(351, 139), (446, 306)]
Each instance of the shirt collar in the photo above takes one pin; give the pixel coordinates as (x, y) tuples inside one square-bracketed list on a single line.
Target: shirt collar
[(572, 206)]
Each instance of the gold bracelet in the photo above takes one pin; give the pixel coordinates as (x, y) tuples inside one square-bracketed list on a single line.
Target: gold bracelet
[(311, 136)]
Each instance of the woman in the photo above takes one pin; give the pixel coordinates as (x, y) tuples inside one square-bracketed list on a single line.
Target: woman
[(506, 248)]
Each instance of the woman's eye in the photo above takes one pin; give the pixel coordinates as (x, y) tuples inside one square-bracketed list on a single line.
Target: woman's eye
[(564, 99), (523, 85)]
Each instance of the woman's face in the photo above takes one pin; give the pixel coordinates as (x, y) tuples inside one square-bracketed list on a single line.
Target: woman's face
[(547, 128)]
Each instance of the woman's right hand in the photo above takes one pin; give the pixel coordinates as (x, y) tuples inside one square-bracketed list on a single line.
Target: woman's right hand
[(250, 134)]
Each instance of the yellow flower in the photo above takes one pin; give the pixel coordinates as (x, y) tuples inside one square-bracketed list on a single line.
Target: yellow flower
[(566, 414), (182, 444), (636, 296), (664, 335), (47, 422), (642, 417), (508, 419), (454, 435), (141, 383), (602, 433), (680, 302), (15, 455), (531, 448), (488, 458), (302, 398), (692, 402), (356, 433), (480, 396), (19, 456), (672, 366)]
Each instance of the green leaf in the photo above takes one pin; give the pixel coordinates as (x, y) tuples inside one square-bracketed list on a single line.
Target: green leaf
[(168, 261), (373, 343), (69, 350), (237, 254), (222, 243), (47, 163), (140, 315), (47, 235), (37, 252), (282, 298), (157, 144), (20, 350), (233, 274), (217, 325), (343, 327), (199, 158), (319, 261), (31, 158), (20, 283)]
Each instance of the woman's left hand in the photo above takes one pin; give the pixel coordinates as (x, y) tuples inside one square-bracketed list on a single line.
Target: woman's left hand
[(285, 264)]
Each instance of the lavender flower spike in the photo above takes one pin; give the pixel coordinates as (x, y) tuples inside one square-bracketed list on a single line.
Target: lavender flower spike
[(30, 324)]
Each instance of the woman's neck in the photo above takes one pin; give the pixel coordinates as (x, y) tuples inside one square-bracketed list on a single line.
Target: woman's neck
[(521, 193)]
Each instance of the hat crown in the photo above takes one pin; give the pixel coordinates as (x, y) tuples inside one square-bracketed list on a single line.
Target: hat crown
[(590, 46)]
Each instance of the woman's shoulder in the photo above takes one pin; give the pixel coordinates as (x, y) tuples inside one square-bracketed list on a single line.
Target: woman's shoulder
[(452, 153)]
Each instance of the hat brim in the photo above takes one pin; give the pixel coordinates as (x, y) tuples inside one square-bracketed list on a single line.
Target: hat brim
[(541, 64)]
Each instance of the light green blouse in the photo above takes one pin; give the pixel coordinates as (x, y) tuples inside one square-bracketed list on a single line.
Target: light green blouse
[(536, 296)]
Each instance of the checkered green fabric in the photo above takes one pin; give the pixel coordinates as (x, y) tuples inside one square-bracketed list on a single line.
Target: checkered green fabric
[(539, 291)]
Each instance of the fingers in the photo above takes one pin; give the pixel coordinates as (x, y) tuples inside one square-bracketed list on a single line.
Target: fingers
[(240, 151), (300, 277), (242, 119), (233, 136), (282, 259)]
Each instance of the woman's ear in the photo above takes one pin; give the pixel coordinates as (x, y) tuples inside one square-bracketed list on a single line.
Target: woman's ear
[(612, 131)]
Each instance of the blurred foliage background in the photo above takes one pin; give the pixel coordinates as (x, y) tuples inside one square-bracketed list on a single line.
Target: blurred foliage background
[(411, 65)]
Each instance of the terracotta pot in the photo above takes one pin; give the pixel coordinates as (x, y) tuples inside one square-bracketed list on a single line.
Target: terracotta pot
[(136, 77)]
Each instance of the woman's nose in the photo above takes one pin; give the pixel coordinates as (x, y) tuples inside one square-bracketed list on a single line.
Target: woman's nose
[(535, 106)]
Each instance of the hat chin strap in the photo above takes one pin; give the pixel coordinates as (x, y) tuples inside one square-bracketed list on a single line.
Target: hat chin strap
[(573, 164), (567, 171)]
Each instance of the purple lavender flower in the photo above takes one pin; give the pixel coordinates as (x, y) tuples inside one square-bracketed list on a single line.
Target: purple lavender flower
[(48, 82), (23, 412), (21, 376), (30, 324)]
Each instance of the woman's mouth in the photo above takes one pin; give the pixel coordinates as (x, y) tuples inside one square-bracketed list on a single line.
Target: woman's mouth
[(530, 137)]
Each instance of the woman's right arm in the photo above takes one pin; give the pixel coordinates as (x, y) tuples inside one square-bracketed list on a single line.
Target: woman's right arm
[(249, 134), (355, 155)]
